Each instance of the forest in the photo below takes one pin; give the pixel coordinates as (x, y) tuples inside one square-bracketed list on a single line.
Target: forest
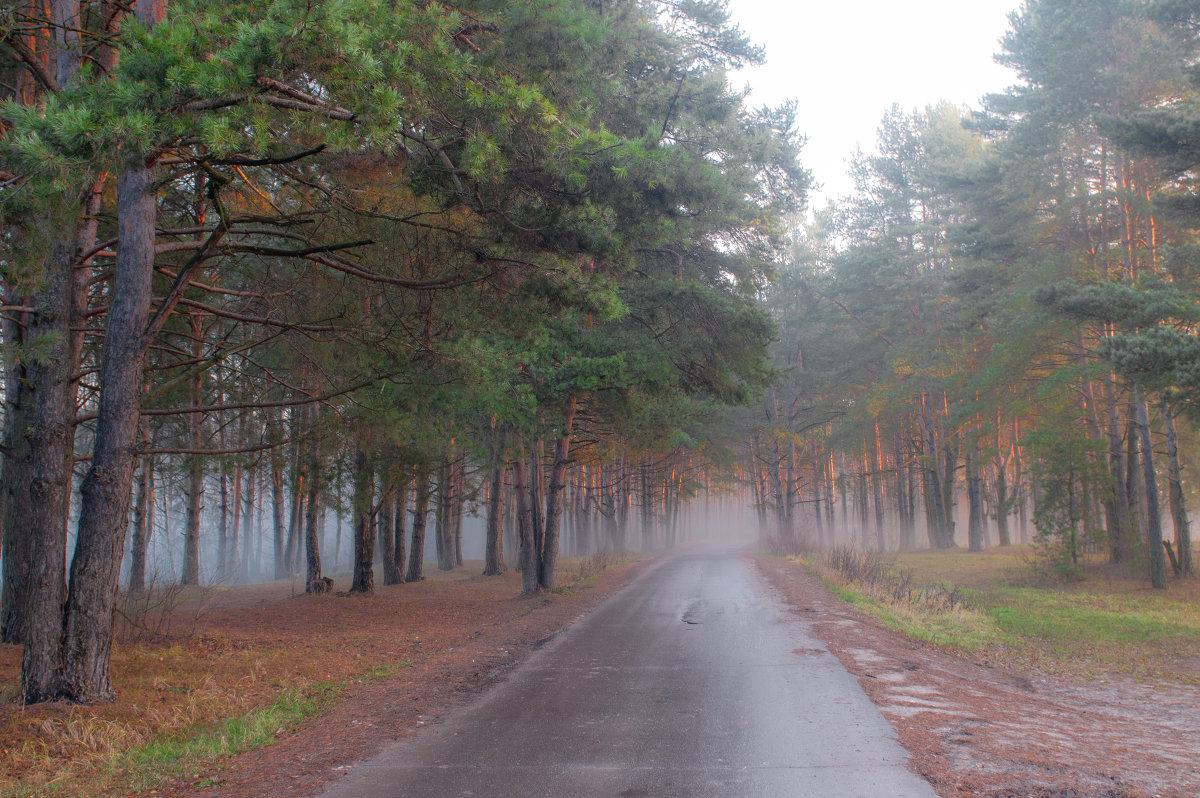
[(296, 288)]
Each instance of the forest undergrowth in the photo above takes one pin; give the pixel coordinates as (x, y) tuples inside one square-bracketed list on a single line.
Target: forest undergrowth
[(1003, 607), (206, 673)]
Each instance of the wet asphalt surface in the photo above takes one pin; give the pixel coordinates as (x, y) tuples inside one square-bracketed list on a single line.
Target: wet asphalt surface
[(692, 681)]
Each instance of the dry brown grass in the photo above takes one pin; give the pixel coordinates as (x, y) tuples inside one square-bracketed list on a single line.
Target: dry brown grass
[(240, 651)]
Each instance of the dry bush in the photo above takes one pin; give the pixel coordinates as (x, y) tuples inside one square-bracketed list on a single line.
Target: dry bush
[(161, 613), (882, 580)]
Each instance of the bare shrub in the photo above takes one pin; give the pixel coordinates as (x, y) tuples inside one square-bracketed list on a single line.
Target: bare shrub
[(159, 613), (882, 580)]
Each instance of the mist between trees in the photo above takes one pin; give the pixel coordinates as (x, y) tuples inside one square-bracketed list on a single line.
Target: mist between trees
[(287, 283), (294, 288), (993, 337)]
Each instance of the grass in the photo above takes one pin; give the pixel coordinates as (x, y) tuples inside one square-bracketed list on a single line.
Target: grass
[(256, 661), (203, 674), (1105, 622)]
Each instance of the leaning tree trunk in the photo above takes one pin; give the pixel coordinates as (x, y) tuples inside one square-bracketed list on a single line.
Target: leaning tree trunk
[(106, 490), (548, 573)]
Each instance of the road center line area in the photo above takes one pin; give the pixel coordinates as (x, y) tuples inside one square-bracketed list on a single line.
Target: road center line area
[(692, 681)]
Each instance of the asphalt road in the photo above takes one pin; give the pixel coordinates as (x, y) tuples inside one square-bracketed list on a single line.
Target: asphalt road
[(693, 681)]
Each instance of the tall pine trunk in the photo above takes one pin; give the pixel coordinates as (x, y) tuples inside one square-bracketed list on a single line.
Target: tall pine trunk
[(975, 531), (548, 574), (106, 490), (364, 530), (444, 527), (1179, 516), (387, 536), (313, 581), (416, 555), (1154, 538), (142, 526), (40, 394), (191, 536), (529, 560), (400, 513), (494, 544)]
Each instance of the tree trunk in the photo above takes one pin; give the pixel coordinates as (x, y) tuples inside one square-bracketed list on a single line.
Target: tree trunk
[(1154, 538), (1179, 516), (877, 490), (548, 574), (247, 522), (400, 513), (444, 528), (387, 536), (364, 530), (416, 554), (142, 526), (494, 547), (1002, 504), (313, 582), (1119, 526), (36, 521), (975, 531), (291, 550), (106, 490), (529, 562), (281, 569), (40, 394), (191, 534), (460, 503)]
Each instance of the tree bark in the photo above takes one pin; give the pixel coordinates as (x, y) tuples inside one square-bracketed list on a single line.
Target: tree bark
[(1154, 538), (445, 518), (529, 561), (548, 574), (37, 605), (387, 536), (247, 522), (106, 490), (277, 506), (975, 531), (1179, 516), (416, 555), (400, 513), (364, 530), (142, 526), (1118, 526), (494, 545), (191, 536), (313, 581)]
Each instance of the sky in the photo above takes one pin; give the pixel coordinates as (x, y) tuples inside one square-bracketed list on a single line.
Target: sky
[(846, 62)]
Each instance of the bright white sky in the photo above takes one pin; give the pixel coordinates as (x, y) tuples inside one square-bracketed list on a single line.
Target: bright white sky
[(847, 61)]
